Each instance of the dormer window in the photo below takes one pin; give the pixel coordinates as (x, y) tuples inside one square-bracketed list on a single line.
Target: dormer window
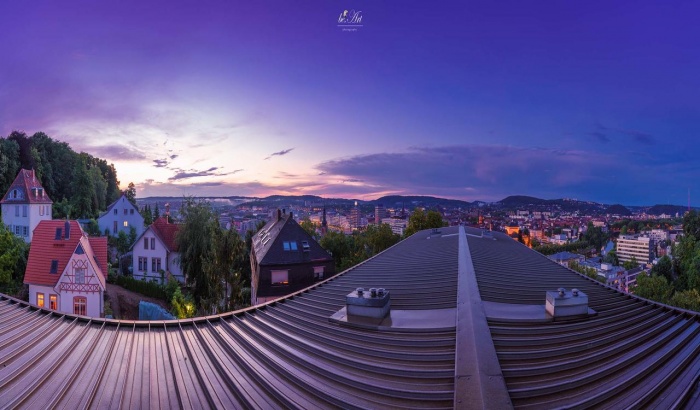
[(54, 266), (59, 231), (305, 245)]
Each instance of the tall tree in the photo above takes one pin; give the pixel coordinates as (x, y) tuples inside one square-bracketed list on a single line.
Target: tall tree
[(195, 240), (131, 193)]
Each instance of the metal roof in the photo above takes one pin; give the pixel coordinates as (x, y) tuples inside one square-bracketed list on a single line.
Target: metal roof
[(287, 354)]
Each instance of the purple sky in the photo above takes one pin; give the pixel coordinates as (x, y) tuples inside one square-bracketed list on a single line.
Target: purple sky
[(469, 100)]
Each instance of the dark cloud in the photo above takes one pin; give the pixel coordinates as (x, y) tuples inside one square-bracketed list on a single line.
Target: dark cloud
[(174, 156), (280, 153), (637, 136), (185, 174), (160, 163)]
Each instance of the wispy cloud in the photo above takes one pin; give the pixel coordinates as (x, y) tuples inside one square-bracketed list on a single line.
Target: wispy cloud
[(182, 174), (280, 153)]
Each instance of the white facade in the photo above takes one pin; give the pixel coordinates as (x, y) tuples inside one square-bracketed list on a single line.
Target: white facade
[(121, 215), (150, 256), (79, 290), (659, 235), (22, 218), (629, 246), (398, 225)]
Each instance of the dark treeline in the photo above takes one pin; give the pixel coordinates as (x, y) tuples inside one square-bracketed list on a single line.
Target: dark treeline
[(79, 184)]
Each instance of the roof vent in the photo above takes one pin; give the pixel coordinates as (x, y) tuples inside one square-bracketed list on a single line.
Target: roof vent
[(562, 303), (374, 304)]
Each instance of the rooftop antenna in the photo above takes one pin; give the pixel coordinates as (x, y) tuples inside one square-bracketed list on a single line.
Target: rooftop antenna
[(688, 199)]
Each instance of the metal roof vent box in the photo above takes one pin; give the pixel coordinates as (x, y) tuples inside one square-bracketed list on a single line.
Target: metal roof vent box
[(563, 303), (374, 303)]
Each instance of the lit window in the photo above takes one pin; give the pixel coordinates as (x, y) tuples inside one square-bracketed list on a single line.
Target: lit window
[(40, 299), (318, 272), (80, 275), (280, 277), (54, 266), (53, 302), (79, 305), (126, 224)]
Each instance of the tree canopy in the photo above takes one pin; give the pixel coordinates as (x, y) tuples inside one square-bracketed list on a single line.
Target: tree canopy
[(420, 220)]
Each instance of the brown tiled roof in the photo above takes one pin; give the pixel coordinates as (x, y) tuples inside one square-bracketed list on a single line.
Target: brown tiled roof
[(46, 248), (30, 187), (287, 354), (166, 231)]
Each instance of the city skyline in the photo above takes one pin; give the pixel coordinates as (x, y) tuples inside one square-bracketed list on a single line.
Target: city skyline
[(468, 101)]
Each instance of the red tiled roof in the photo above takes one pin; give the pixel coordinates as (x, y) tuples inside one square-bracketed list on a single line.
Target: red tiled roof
[(27, 182), (46, 248), (99, 248), (166, 232)]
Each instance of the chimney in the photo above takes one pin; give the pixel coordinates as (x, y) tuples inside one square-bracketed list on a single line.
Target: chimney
[(167, 211), (284, 211), (279, 214), (291, 215), (67, 229)]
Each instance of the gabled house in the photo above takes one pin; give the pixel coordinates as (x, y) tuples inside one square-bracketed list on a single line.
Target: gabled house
[(284, 258), (155, 251), (66, 270), (121, 215), (25, 204)]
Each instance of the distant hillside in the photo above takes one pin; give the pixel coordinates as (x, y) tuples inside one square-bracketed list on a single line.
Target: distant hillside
[(667, 209), (521, 200), (618, 209), (412, 201)]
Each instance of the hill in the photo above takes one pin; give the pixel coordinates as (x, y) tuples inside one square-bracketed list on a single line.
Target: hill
[(618, 209), (667, 209)]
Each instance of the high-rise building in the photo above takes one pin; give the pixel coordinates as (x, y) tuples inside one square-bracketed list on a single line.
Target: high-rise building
[(355, 218), (629, 246), (379, 213)]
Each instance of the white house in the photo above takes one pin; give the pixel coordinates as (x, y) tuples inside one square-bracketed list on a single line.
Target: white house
[(25, 204), (155, 250), (121, 215), (66, 269)]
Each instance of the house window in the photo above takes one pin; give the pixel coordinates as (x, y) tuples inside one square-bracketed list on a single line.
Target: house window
[(40, 299), (54, 266), (280, 277), (80, 275), (293, 245), (143, 263), (58, 234), (153, 243), (24, 211), (155, 264), (126, 212), (25, 230), (285, 245), (131, 211), (53, 302), (305, 245), (80, 305), (14, 194), (18, 230), (41, 210), (114, 228), (16, 210), (115, 211), (318, 272), (145, 243), (126, 224)]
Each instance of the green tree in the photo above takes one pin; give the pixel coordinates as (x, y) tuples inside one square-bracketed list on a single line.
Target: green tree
[(611, 258), (147, 215), (380, 237), (654, 288), (339, 246), (630, 264), (13, 258), (93, 229), (183, 306), (131, 193), (195, 240), (687, 299), (420, 220), (310, 228), (664, 268), (222, 265)]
